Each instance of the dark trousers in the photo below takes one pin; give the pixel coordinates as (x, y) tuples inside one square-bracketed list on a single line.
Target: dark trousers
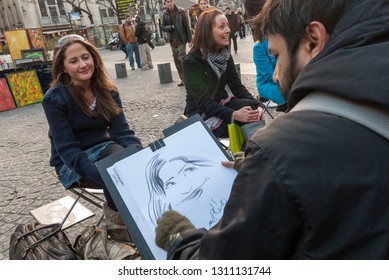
[(234, 40), (179, 52), (242, 32), (124, 49)]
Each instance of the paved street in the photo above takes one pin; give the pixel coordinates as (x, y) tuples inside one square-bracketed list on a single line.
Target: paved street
[(26, 180)]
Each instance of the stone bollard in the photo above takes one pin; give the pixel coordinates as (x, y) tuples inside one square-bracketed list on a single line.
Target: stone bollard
[(165, 73), (237, 68), (121, 70)]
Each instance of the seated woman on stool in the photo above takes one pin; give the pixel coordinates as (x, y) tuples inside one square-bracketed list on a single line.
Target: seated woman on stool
[(209, 72), (265, 65), (86, 122)]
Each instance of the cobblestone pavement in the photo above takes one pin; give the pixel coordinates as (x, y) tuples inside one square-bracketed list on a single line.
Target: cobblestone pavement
[(26, 180)]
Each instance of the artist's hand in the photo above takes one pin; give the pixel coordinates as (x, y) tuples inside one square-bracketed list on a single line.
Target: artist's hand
[(247, 114), (237, 163), (169, 227)]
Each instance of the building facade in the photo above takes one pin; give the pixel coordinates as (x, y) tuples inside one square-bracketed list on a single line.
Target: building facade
[(55, 16), (96, 20)]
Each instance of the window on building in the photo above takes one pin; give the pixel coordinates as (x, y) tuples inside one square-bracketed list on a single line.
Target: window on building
[(111, 12), (53, 9), (106, 10)]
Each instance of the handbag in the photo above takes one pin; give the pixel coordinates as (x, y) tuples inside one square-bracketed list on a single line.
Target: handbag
[(249, 129), (35, 241), (94, 244), (236, 137)]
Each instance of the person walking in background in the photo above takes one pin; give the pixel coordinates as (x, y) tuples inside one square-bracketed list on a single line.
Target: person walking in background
[(127, 33), (144, 48), (123, 46), (176, 23), (148, 36), (234, 22), (86, 122), (242, 24), (203, 5)]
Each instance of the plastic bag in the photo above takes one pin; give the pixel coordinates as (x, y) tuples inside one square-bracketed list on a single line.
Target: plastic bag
[(94, 244), (236, 137)]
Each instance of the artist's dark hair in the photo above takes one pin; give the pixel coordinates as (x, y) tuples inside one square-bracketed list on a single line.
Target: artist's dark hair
[(289, 18)]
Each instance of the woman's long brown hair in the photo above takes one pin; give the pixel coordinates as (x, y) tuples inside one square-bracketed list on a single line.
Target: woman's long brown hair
[(101, 85)]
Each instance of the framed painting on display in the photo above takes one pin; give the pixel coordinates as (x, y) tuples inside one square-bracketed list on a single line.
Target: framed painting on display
[(6, 100), (37, 40), (17, 41), (38, 54), (25, 87)]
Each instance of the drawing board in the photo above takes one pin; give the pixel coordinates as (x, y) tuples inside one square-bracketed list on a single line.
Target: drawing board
[(182, 172)]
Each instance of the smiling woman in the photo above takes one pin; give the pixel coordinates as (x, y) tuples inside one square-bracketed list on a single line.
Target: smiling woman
[(214, 89), (86, 121)]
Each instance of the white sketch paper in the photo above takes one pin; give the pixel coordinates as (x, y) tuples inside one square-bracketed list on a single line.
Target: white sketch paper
[(55, 212), (185, 175)]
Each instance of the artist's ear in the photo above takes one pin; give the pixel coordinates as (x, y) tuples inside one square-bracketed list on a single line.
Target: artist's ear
[(315, 39)]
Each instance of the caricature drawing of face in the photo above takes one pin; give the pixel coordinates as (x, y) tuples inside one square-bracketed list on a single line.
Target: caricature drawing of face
[(185, 184), (183, 180)]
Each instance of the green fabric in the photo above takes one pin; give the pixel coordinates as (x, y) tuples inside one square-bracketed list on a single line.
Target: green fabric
[(236, 137)]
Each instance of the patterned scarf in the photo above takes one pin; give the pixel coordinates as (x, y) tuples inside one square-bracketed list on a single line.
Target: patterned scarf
[(218, 61)]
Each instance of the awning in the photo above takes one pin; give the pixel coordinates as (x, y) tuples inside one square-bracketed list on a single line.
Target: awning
[(48, 29), (55, 31)]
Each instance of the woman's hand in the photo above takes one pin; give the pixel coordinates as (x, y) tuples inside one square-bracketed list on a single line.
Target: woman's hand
[(247, 114)]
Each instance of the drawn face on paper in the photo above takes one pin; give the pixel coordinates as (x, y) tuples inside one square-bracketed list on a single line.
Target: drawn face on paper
[(185, 184), (183, 181)]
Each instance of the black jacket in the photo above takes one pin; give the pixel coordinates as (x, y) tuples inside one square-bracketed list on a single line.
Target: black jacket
[(314, 185), (204, 90), (234, 22), (140, 32), (179, 24)]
